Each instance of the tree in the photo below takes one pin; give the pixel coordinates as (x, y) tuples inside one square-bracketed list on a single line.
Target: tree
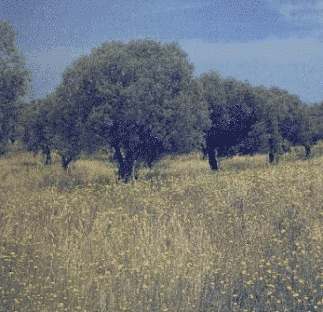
[(274, 137), (315, 114), (290, 116), (138, 98), (68, 133), (232, 108), (14, 80), (38, 133), (248, 120), (304, 134)]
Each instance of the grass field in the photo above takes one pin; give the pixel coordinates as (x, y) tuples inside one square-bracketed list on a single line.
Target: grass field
[(181, 238)]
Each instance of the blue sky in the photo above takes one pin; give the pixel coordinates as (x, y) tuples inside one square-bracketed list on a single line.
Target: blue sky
[(269, 42)]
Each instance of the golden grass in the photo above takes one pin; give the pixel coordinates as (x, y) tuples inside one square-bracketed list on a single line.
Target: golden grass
[(181, 238)]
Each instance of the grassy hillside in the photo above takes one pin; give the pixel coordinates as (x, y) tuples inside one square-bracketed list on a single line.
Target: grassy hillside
[(181, 238)]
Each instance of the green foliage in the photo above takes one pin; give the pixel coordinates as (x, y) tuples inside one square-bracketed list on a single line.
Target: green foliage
[(38, 133), (13, 83), (139, 98), (233, 109), (249, 120), (140, 101), (315, 113), (287, 119)]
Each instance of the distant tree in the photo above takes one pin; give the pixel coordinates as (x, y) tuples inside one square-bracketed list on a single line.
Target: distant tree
[(214, 94), (37, 131), (232, 108), (275, 140), (14, 80), (315, 116), (305, 133), (137, 98), (293, 122), (283, 121), (248, 120), (69, 138)]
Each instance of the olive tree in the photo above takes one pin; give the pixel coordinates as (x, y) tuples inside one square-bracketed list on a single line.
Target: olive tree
[(288, 121), (139, 99), (37, 135), (14, 80), (233, 112)]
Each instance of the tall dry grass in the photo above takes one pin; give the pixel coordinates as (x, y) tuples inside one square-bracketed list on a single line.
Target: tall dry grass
[(181, 238)]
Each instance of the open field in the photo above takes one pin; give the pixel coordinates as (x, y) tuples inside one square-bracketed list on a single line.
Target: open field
[(181, 238)]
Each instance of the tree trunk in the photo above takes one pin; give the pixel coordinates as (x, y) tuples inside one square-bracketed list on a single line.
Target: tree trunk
[(274, 149), (66, 160), (48, 156), (204, 151), (129, 168), (271, 157), (213, 158), (126, 164), (120, 160), (134, 173), (308, 151)]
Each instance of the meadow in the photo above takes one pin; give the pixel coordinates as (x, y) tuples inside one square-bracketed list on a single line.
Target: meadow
[(181, 238)]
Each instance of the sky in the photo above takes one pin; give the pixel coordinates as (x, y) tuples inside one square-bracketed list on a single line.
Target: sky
[(267, 42)]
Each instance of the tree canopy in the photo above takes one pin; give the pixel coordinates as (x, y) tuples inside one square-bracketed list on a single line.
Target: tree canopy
[(247, 119), (38, 132), (233, 110), (138, 98), (14, 80)]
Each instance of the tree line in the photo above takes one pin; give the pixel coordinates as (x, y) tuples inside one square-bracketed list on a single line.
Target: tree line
[(141, 100)]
